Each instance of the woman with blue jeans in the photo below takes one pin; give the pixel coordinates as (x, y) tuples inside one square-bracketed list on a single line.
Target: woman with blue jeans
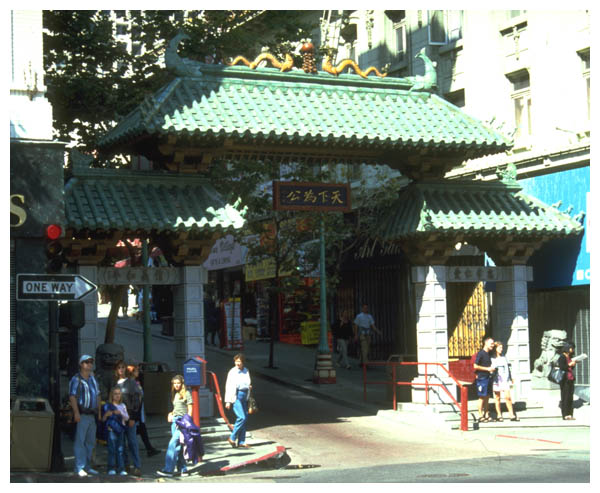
[(182, 405), (133, 401), (237, 388)]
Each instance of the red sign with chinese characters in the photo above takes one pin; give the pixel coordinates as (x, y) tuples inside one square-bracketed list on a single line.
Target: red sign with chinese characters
[(306, 196)]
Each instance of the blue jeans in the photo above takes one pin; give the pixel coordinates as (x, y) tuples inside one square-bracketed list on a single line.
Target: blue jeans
[(132, 444), (174, 454), (115, 446), (85, 439), (240, 408)]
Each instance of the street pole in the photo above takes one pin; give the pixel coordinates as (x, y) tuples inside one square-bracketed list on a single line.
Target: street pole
[(58, 462), (323, 346), (324, 371), (146, 308)]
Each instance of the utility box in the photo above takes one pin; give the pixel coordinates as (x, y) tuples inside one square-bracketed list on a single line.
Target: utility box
[(157, 387), (194, 372), (31, 434)]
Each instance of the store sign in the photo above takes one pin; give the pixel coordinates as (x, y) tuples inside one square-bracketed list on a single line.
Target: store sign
[(226, 252), (306, 196), (264, 269)]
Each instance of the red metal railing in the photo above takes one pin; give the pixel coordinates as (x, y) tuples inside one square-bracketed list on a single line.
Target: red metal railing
[(217, 392), (464, 401)]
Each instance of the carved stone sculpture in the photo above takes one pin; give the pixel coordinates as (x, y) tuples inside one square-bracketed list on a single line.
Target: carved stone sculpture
[(107, 356), (552, 343)]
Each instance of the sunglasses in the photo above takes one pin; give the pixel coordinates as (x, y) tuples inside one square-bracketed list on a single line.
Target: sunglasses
[(90, 361)]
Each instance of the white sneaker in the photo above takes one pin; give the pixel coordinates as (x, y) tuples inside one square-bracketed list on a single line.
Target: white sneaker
[(123, 473), (92, 471), (82, 473), (112, 472)]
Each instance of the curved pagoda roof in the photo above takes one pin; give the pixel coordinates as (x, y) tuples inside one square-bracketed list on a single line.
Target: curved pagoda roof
[(237, 110), (497, 217)]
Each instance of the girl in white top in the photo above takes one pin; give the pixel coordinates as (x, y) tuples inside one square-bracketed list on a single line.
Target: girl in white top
[(502, 382), (237, 389)]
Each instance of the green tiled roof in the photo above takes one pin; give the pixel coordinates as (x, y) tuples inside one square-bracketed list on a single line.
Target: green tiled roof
[(237, 105), (473, 208), (150, 201)]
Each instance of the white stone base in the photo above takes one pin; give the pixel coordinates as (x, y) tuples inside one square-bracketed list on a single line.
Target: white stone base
[(324, 370)]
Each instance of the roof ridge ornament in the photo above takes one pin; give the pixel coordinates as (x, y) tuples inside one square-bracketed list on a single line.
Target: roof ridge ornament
[(428, 81), (176, 64), (285, 66), (507, 176), (347, 63)]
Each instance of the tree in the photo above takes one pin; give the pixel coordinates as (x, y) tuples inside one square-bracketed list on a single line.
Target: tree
[(94, 79)]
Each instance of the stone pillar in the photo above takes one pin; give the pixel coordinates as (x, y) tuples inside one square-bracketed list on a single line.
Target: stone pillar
[(432, 333), (512, 324), (89, 334), (188, 303)]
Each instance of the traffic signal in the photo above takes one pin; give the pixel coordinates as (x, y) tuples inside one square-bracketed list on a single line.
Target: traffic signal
[(54, 249), (71, 315)]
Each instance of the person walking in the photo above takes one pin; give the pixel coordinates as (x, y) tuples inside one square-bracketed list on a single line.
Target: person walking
[(342, 331), (132, 398), (182, 405), (114, 414), (483, 370), (567, 385), (84, 400), (237, 388), (364, 325), (502, 382), (133, 373)]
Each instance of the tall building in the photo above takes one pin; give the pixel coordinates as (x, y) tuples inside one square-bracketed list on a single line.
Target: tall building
[(528, 74)]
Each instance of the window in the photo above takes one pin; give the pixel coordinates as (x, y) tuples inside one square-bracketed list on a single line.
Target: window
[(585, 65), (445, 26), (457, 98), (397, 44), (521, 96)]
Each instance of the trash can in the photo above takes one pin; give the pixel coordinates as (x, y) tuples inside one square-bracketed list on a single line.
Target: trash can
[(157, 387), (31, 433)]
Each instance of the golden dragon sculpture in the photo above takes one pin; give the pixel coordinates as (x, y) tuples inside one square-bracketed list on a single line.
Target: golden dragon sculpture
[(283, 67), (348, 63)]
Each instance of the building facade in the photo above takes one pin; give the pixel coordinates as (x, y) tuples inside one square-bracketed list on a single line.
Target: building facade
[(513, 69)]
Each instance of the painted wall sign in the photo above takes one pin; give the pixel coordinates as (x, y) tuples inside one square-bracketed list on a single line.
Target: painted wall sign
[(306, 196), (562, 262)]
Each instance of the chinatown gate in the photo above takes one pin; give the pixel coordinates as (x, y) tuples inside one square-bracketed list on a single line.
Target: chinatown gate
[(212, 114)]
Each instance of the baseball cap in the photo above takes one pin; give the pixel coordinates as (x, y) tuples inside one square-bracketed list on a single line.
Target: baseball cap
[(85, 357)]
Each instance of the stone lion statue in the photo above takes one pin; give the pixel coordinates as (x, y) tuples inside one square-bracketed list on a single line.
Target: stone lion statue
[(107, 356), (552, 343)]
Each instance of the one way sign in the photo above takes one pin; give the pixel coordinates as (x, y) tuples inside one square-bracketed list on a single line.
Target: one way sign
[(53, 287)]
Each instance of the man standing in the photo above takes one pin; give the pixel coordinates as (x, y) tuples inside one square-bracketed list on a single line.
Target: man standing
[(85, 402), (483, 370), (364, 324)]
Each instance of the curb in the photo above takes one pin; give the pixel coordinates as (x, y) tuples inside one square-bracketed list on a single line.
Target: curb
[(275, 456)]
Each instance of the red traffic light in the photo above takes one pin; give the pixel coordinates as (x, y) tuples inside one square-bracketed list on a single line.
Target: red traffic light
[(53, 231)]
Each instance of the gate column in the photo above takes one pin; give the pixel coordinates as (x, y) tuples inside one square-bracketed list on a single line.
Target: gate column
[(188, 314), (512, 324), (88, 334), (432, 333)]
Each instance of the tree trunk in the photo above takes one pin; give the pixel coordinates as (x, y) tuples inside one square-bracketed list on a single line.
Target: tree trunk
[(116, 300)]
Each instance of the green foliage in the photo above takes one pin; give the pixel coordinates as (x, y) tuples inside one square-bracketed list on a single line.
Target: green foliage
[(94, 81)]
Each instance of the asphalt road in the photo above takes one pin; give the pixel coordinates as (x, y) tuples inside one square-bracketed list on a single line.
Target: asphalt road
[(329, 443)]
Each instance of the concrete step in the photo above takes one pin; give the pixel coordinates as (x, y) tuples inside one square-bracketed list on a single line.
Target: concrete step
[(447, 416)]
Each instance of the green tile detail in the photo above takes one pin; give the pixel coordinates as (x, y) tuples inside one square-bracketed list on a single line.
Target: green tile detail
[(472, 208), (150, 201), (264, 106)]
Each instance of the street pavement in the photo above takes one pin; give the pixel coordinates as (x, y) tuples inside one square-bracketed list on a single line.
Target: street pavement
[(293, 366)]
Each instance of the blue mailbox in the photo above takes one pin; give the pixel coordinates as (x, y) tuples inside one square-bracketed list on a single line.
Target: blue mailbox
[(194, 372)]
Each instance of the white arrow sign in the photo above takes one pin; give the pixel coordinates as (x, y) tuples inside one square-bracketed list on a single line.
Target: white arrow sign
[(57, 287)]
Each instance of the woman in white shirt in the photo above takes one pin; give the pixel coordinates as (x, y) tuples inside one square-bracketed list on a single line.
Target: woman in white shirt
[(237, 388), (502, 382)]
